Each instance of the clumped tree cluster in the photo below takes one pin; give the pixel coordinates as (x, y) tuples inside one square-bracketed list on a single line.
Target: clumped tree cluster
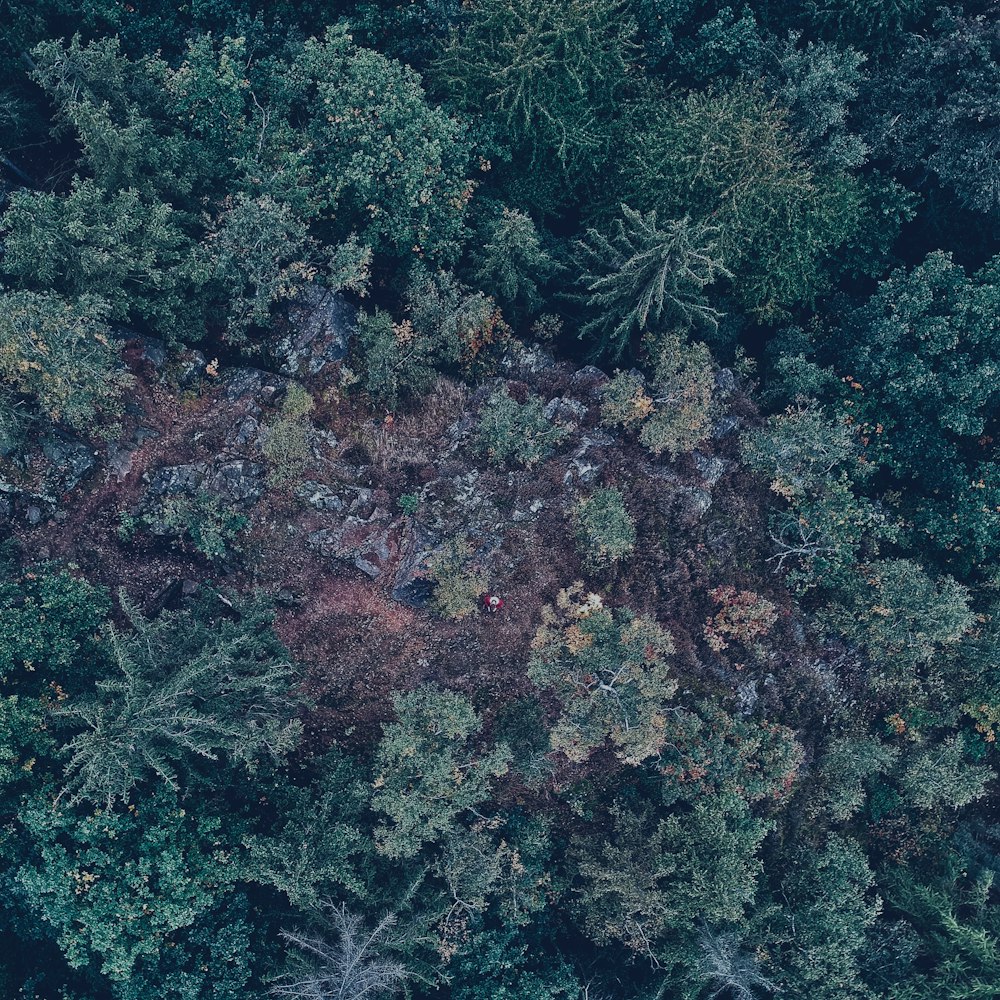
[(795, 203)]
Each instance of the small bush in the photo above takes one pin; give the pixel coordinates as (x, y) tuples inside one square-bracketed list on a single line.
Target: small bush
[(211, 527), (604, 529), (624, 401), (515, 432), (396, 360), (744, 617), (459, 582), (675, 415), (286, 441), (464, 326), (63, 357), (683, 382), (409, 503)]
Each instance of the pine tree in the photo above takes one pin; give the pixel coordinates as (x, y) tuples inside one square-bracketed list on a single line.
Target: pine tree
[(351, 968), (647, 277), (182, 687)]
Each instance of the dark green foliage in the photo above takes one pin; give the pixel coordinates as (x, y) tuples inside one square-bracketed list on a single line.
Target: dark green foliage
[(199, 205), (651, 882), (935, 106), (819, 83), (396, 360), (145, 896), (940, 777), (917, 366), (729, 158), (377, 157), (548, 76), (317, 847), (183, 687), (849, 762), (953, 920), (902, 615), (827, 527), (427, 770), (24, 743), (695, 43), (459, 324), (514, 964), (510, 261), (878, 26), (709, 753), (52, 632), (828, 908), (262, 254), (129, 251), (647, 278)]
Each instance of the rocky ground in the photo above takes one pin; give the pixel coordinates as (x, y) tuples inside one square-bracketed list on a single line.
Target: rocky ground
[(346, 564)]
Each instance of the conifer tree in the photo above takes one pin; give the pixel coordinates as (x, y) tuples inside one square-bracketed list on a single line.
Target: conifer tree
[(182, 687)]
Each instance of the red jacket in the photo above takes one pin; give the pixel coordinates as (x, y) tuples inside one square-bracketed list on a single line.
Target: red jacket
[(492, 603)]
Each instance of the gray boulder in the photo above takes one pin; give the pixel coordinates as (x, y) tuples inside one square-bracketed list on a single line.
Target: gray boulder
[(252, 383), (411, 585), (342, 499), (369, 544), (322, 324), (70, 460), (238, 482), (588, 460)]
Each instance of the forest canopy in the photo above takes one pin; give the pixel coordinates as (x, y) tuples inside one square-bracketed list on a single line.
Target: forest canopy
[(499, 500)]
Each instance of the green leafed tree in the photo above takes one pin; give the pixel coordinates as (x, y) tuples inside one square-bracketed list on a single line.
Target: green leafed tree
[(318, 846), (845, 768), (62, 356), (917, 365), (130, 252), (819, 82), (378, 158), (509, 261), (548, 75), (942, 776), (649, 882), (609, 671), (829, 525), (902, 615), (143, 901), (822, 929), (728, 158), (429, 771), (933, 107), (51, 631)]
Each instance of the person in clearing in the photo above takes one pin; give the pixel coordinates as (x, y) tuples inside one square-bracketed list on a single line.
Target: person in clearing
[(492, 603)]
